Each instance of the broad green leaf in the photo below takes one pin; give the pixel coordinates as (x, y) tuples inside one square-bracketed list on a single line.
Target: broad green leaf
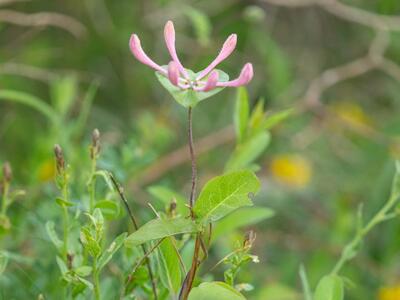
[(247, 152), (165, 195), (83, 271), (29, 100), (242, 217), (188, 97), (51, 232), (273, 119), (111, 250), (224, 194), (89, 242), (3, 262), (215, 290), (241, 113), (168, 262), (330, 287), (160, 228), (110, 209)]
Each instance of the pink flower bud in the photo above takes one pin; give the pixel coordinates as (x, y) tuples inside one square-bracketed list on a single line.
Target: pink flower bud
[(173, 73), (138, 52), (226, 50), (244, 78), (211, 81), (169, 36)]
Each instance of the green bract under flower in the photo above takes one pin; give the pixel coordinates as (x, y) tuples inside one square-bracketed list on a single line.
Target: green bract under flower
[(190, 97)]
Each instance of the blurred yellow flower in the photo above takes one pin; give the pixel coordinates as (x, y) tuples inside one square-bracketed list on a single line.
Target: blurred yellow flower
[(389, 293), (46, 171), (351, 113), (291, 169)]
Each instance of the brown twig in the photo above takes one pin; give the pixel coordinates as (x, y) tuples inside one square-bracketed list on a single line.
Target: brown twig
[(44, 19), (121, 194)]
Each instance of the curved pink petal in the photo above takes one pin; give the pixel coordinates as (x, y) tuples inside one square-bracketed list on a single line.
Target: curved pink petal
[(211, 81), (137, 51), (244, 78), (169, 35), (226, 50), (173, 73)]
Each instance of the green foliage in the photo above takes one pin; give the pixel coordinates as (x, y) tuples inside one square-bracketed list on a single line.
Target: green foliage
[(215, 290), (169, 265), (160, 228), (330, 287), (224, 194), (189, 97)]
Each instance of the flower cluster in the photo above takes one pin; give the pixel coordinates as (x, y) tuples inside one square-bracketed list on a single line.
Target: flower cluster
[(203, 81)]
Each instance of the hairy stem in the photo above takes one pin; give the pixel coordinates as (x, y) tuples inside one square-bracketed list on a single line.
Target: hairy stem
[(121, 194)]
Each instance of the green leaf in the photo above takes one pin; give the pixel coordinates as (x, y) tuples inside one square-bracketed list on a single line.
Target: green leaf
[(215, 290), (61, 202), (89, 242), (242, 217), (224, 194), (29, 100), (273, 119), (165, 195), (111, 250), (257, 117), (330, 287), (83, 271), (189, 97), (110, 209), (3, 262), (61, 265), (168, 262), (241, 113), (160, 228), (247, 152), (51, 232)]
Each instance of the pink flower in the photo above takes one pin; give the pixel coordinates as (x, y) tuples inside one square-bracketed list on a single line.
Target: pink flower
[(205, 80)]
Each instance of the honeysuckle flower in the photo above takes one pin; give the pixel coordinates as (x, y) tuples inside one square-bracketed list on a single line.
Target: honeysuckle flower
[(186, 86)]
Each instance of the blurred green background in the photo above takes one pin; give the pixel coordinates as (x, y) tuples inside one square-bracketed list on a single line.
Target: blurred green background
[(317, 170)]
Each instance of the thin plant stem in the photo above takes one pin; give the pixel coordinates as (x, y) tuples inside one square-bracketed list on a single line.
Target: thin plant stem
[(65, 221), (192, 159), (350, 249), (92, 188), (96, 282), (5, 198), (121, 194), (188, 282)]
